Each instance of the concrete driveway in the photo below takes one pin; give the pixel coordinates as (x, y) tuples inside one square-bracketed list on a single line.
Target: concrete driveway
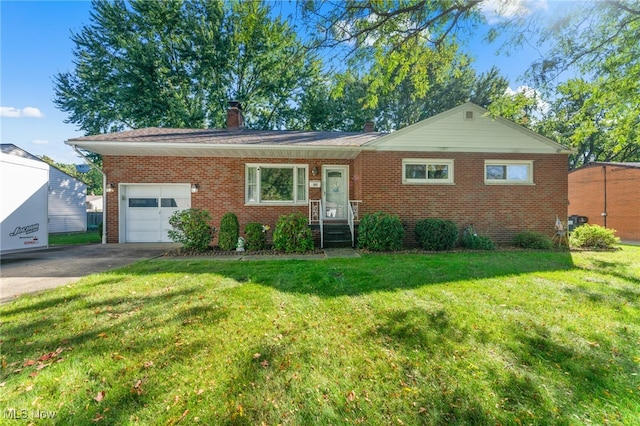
[(32, 271)]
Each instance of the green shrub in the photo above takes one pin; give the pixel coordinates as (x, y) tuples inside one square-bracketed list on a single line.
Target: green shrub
[(255, 236), (473, 241), (533, 240), (380, 231), (229, 232), (436, 234), (191, 228), (593, 236), (292, 234), (100, 229)]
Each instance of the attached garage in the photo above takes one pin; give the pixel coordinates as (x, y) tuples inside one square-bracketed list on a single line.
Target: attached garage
[(145, 210)]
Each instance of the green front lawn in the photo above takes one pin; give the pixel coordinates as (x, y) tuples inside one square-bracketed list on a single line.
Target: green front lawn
[(508, 337), (90, 237)]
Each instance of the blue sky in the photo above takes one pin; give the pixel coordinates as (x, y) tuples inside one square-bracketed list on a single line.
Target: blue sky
[(36, 45)]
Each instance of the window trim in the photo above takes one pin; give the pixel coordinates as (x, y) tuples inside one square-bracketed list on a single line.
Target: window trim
[(426, 162), (508, 163), (296, 185)]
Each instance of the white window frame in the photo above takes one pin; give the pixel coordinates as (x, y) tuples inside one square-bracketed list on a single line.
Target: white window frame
[(507, 180), (427, 162), (296, 185)]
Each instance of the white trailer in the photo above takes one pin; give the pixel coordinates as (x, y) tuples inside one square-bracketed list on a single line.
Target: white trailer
[(24, 195)]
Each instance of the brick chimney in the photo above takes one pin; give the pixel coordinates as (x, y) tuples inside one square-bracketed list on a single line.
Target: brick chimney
[(234, 116), (369, 127)]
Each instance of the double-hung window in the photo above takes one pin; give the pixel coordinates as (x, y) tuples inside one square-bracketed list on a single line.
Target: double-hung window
[(508, 172), (429, 171), (276, 184)]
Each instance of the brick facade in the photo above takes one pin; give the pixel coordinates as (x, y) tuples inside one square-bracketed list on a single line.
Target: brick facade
[(498, 211), (587, 197)]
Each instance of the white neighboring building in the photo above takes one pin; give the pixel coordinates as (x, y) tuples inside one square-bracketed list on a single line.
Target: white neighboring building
[(24, 188), (67, 196)]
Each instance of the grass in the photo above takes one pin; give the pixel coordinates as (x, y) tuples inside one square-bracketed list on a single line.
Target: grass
[(75, 238), (483, 338)]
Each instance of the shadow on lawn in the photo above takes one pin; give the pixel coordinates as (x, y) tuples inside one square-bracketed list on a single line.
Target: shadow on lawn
[(371, 273)]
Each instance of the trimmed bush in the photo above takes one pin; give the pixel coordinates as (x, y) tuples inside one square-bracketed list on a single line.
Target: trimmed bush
[(473, 241), (229, 232), (533, 240), (255, 236), (191, 228), (436, 234), (593, 236), (380, 231), (292, 234)]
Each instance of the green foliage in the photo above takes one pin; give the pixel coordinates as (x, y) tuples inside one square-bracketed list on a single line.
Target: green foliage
[(593, 236), (191, 228), (229, 231), (292, 234), (255, 236), (436, 234), (533, 240), (176, 64), (100, 229), (473, 241), (596, 114), (380, 231)]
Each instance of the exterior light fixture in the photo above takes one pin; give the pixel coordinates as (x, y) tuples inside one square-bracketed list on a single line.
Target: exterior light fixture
[(314, 171), (110, 187), (194, 188)]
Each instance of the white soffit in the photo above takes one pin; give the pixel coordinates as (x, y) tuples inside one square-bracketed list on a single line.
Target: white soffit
[(199, 150)]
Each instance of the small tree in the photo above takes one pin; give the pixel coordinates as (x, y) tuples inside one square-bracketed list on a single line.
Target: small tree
[(533, 240), (292, 234), (229, 232), (255, 236), (191, 228), (380, 231), (436, 234), (593, 236)]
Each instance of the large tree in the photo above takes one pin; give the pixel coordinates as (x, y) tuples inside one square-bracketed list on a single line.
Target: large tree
[(176, 64), (592, 74)]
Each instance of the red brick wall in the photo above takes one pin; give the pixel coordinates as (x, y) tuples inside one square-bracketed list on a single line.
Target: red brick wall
[(221, 185), (586, 198), (497, 211)]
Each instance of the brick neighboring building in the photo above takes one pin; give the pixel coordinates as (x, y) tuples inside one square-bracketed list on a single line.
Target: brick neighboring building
[(461, 165), (611, 188)]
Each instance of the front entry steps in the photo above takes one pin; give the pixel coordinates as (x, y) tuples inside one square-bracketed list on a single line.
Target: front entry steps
[(337, 235)]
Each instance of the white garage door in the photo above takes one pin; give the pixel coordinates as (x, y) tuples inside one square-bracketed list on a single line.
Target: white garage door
[(148, 209)]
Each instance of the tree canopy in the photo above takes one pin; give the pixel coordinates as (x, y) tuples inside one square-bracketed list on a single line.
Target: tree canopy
[(176, 63)]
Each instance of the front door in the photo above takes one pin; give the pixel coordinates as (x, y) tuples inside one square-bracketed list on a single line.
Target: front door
[(335, 193)]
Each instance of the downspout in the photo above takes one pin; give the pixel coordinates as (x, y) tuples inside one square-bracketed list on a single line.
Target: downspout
[(604, 212), (104, 192)]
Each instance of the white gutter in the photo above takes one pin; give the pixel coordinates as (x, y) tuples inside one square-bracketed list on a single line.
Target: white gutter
[(104, 192)]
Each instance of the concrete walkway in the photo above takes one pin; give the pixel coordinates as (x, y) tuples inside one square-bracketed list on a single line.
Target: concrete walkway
[(33, 271)]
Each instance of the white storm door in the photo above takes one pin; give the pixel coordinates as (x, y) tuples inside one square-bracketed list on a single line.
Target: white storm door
[(335, 193)]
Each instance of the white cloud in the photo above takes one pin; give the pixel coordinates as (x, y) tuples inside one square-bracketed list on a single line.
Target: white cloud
[(496, 11), (40, 142), (29, 111), (542, 106)]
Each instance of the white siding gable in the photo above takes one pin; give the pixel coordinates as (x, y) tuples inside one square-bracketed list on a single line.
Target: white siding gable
[(467, 128), (67, 203)]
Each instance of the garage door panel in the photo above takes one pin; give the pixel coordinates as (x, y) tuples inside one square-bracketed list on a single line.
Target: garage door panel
[(149, 208)]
